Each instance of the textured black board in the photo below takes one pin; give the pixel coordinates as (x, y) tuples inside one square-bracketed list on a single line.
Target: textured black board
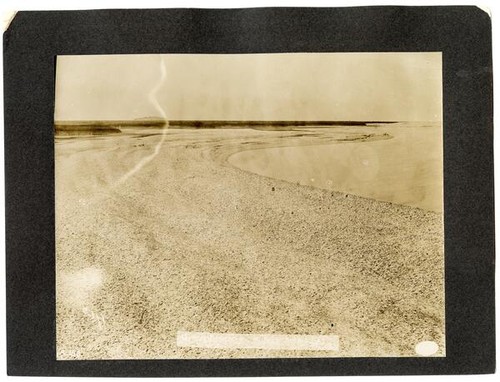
[(462, 34)]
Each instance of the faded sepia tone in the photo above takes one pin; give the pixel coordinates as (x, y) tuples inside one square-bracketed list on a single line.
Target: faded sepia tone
[(259, 205)]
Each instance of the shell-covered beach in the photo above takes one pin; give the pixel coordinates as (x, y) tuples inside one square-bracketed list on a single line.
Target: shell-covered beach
[(159, 232)]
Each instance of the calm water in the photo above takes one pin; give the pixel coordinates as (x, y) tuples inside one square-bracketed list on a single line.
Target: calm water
[(406, 169)]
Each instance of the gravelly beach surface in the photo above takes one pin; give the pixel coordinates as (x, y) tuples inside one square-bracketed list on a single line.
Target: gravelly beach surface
[(187, 242)]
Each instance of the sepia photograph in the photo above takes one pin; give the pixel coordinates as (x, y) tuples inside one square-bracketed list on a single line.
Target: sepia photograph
[(277, 205)]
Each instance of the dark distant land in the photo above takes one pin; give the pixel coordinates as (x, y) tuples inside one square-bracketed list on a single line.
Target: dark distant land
[(114, 126)]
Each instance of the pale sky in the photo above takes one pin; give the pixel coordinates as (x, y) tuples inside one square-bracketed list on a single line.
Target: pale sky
[(289, 86)]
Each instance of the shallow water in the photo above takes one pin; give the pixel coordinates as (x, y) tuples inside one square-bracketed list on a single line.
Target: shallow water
[(406, 169)]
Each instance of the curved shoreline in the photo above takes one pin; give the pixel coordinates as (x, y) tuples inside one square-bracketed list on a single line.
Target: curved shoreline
[(297, 147), (333, 142)]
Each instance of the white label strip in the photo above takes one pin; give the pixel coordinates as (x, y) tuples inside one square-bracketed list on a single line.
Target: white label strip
[(257, 341)]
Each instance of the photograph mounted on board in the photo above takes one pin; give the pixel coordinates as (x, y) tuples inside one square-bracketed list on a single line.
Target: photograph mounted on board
[(249, 206)]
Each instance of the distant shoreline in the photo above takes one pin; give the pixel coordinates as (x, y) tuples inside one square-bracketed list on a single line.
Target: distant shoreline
[(114, 126)]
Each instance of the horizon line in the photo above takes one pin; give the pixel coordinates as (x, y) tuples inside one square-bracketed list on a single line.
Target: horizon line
[(239, 120)]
